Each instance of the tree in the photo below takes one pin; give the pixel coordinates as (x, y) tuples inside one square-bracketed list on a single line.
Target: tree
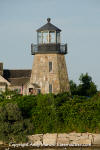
[(92, 90), (73, 87), (13, 127), (86, 87)]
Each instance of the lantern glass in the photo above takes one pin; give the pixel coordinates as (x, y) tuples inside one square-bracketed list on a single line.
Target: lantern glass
[(39, 37), (58, 37), (45, 37), (52, 37)]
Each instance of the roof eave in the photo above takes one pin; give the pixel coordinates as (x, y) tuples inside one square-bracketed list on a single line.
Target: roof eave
[(48, 27), (39, 30)]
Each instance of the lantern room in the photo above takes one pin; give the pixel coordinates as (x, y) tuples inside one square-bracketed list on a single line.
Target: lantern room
[(48, 34), (48, 40)]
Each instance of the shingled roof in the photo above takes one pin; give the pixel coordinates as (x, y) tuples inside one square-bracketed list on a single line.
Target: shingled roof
[(16, 73), (17, 77), (18, 81), (49, 27), (3, 83)]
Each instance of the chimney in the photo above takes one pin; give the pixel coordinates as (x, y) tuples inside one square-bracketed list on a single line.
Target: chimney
[(1, 68)]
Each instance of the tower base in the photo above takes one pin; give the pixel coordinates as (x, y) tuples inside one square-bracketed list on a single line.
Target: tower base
[(49, 73)]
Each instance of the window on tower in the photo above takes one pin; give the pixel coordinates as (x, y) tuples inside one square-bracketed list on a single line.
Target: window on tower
[(50, 66), (50, 88), (38, 91)]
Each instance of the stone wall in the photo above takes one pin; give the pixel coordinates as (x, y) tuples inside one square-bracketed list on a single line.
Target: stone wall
[(63, 139), (63, 74), (58, 77)]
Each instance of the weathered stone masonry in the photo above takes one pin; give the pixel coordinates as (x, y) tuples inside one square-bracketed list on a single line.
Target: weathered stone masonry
[(57, 77), (64, 139)]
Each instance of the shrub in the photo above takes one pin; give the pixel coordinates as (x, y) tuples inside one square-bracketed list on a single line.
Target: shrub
[(12, 125)]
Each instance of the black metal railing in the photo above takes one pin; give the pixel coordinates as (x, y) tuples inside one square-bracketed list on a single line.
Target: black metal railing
[(48, 48), (63, 48)]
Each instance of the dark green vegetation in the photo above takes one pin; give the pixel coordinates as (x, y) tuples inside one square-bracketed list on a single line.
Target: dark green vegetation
[(24, 115), (86, 87)]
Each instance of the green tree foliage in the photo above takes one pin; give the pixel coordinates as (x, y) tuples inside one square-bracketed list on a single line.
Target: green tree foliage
[(86, 87), (73, 87), (43, 115), (26, 104), (8, 94), (49, 113), (12, 125)]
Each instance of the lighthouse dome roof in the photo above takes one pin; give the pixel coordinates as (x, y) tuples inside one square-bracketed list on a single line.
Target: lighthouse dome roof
[(49, 27)]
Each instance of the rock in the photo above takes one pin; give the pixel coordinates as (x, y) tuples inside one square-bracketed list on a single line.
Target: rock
[(84, 136), (49, 139), (85, 141), (36, 140), (81, 142), (72, 133), (91, 137), (78, 134), (37, 143), (96, 139), (62, 139), (63, 135), (74, 136)]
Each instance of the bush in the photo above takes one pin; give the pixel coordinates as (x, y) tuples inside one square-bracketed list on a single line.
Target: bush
[(86, 87), (12, 124), (24, 115)]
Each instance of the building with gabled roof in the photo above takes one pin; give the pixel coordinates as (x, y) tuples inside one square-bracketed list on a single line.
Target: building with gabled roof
[(14, 79)]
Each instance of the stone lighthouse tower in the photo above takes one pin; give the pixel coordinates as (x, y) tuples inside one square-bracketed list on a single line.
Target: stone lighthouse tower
[(49, 72)]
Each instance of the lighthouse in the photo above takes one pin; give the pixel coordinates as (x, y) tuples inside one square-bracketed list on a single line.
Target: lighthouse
[(49, 70)]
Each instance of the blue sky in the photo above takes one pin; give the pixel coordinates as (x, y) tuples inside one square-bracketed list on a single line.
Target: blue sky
[(80, 24)]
